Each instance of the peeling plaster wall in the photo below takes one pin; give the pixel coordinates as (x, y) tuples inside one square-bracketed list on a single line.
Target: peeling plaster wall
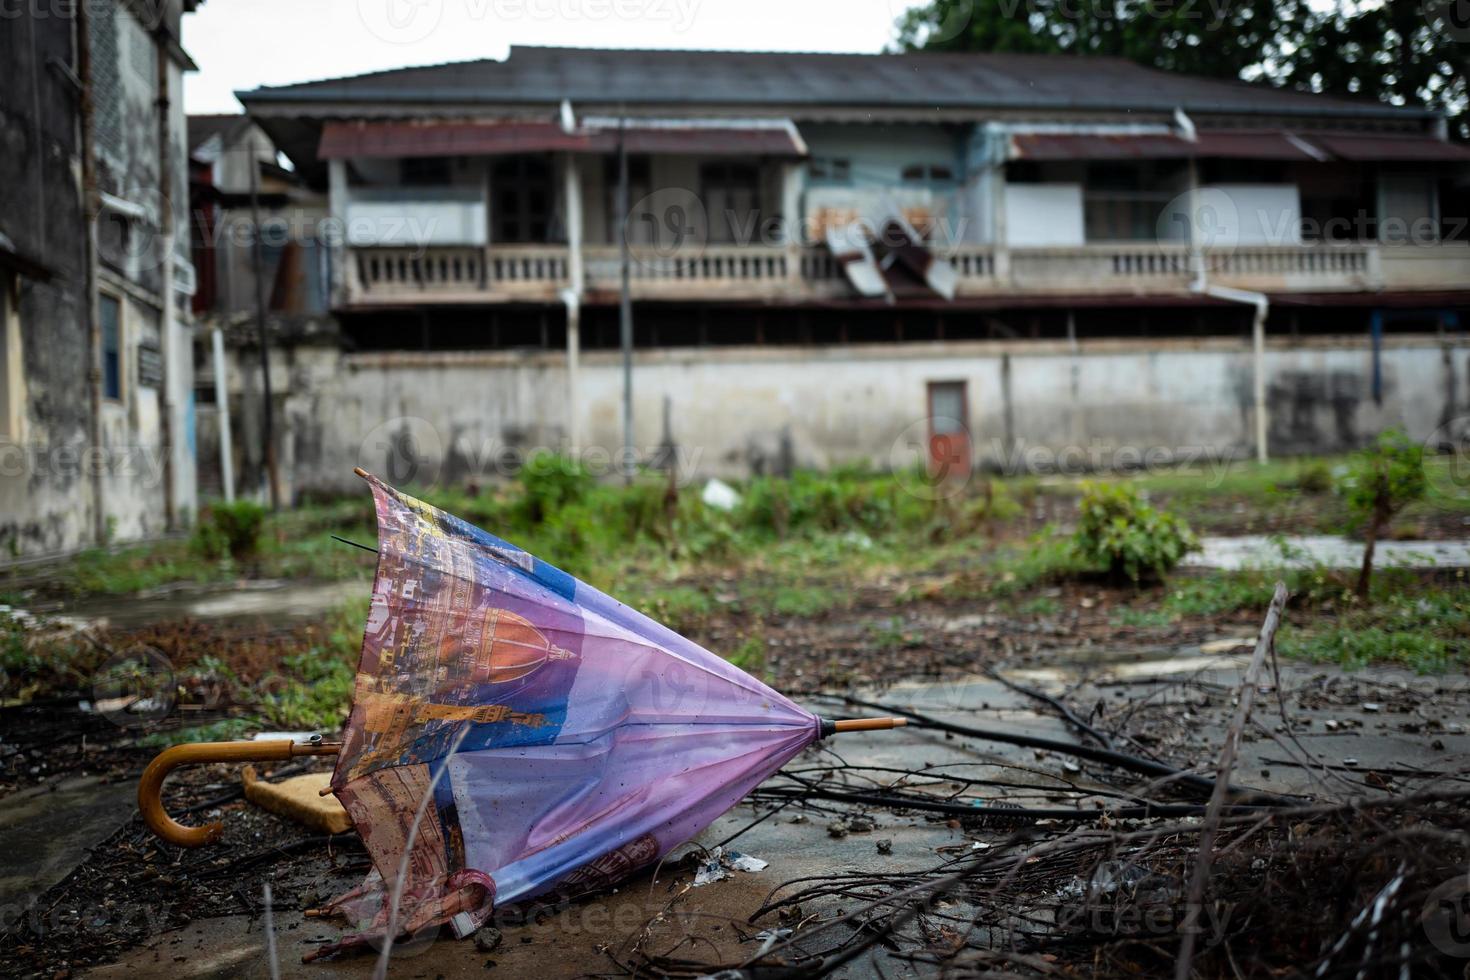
[(46, 498), (448, 417)]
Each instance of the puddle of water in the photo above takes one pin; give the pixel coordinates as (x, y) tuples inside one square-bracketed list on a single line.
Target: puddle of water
[(267, 599)]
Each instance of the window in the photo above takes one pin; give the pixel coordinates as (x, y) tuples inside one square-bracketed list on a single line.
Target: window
[(424, 171), (521, 199), (644, 228), (927, 173), (731, 193), (1122, 203), (111, 315), (838, 170), (12, 378)]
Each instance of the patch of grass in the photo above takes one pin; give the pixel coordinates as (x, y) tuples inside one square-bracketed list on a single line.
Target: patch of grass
[(750, 655), (1356, 647), (1043, 605), (224, 730), (313, 689), (1142, 618), (680, 607)]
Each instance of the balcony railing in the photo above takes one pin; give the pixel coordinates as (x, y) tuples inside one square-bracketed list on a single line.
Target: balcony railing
[(444, 274)]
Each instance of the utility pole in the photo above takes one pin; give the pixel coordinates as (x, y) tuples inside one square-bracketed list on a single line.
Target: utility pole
[(258, 266), (625, 304), (168, 324), (92, 205)]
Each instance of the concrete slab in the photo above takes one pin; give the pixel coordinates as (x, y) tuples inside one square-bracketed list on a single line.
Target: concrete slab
[(1310, 551), (48, 830)]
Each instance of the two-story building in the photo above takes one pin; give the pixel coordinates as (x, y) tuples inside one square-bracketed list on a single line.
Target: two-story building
[(846, 255)]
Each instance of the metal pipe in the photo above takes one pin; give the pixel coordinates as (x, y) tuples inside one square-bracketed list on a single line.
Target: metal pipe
[(222, 417), (625, 304), (150, 786), (91, 208), (572, 295), (168, 325), (257, 263), (1262, 305)]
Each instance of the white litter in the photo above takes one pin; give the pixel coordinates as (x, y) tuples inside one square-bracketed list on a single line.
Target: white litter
[(718, 865), (720, 495)]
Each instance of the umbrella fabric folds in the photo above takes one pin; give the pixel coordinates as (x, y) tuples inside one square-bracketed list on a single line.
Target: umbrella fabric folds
[(517, 733)]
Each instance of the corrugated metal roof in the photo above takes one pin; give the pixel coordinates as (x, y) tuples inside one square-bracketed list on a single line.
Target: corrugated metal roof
[(1160, 146), (441, 138), (1389, 148), (1307, 147), (533, 75)]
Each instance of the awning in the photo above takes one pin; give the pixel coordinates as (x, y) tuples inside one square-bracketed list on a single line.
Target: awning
[(442, 139), (1161, 146), (777, 138), (1384, 148)]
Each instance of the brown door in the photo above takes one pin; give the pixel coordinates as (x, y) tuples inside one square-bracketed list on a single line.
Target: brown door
[(949, 432)]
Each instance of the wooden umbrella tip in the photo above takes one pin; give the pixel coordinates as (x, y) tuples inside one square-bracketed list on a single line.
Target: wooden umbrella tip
[(360, 472), (868, 724)]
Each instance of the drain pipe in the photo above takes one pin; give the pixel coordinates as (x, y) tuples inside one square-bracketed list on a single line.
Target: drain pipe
[(1201, 286), (92, 208), (572, 295)]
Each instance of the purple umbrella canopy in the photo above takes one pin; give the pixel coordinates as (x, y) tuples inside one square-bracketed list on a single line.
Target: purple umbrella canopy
[(516, 733)]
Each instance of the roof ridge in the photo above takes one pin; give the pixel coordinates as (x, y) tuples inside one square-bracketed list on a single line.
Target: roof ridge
[(808, 53), (377, 73)]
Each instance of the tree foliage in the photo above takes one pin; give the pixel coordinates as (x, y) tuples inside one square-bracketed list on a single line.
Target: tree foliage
[(1397, 51)]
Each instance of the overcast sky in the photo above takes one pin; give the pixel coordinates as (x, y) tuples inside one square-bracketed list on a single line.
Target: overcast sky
[(241, 44)]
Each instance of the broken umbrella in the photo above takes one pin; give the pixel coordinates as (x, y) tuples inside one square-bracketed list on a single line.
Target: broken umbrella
[(516, 733)]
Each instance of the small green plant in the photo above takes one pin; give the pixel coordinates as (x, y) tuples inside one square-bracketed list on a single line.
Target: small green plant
[(1127, 537), (1314, 478), (1385, 477), (551, 483), (230, 530)]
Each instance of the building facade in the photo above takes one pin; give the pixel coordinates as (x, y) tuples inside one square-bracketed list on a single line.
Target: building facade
[(845, 256), (98, 437)]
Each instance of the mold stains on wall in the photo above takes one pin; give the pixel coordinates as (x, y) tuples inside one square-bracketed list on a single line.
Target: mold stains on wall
[(1316, 411)]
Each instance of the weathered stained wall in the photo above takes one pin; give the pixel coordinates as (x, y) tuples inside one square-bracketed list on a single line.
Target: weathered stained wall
[(44, 498), (47, 501), (1032, 405)]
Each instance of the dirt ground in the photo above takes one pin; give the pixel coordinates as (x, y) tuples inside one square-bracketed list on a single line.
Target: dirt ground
[(90, 892)]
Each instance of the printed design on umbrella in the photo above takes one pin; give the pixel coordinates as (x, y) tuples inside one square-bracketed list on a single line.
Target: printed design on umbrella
[(442, 650), (553, 740)]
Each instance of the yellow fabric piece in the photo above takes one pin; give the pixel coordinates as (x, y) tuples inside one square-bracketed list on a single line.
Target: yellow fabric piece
[(299, 798)]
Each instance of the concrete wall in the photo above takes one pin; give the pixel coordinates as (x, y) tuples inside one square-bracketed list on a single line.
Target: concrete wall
[(450, 416)]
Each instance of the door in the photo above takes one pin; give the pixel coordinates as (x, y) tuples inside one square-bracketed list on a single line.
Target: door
[(949, 432)]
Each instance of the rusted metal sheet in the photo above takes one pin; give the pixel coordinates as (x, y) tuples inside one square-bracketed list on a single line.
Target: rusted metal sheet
[(905, 247), (480, 138), (1239, 145), (849, 246), (1380, 148)]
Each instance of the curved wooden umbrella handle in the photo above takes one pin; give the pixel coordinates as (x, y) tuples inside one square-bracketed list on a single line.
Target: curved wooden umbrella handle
[(150, 787)]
